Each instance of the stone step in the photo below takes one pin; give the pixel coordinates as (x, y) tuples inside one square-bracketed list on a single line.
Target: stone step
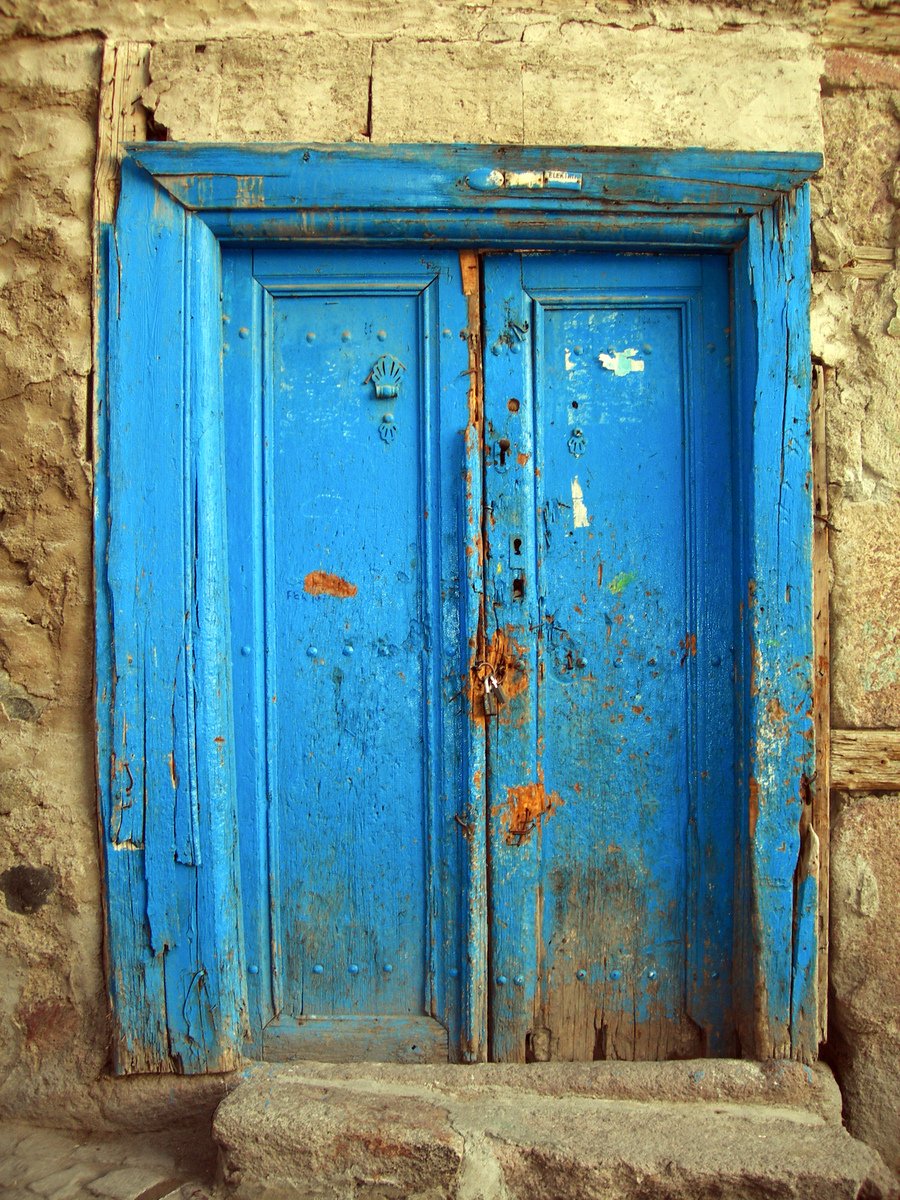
[(716, 1129)]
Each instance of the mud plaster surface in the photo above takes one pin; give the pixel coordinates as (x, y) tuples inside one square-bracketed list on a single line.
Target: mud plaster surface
[(247, 69)]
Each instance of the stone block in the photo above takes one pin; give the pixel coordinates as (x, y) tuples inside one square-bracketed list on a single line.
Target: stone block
[(131, 1183), (864, 1039), (865, 613), (862, 141), (438, 92), (303, 89), (65, 1182), (748, 90), (324, 1142), (593, 84), (539, 1133)]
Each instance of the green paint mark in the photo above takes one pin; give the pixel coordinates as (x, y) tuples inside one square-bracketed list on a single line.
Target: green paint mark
[(621, 581)]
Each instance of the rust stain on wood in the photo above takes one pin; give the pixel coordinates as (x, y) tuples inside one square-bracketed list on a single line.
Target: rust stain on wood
[(527, 807), (321, 583), (688, 647), (753, 803), (507, 660), (504, 659)]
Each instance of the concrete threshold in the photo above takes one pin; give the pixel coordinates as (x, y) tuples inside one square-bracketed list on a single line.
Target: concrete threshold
[(717, 1129)]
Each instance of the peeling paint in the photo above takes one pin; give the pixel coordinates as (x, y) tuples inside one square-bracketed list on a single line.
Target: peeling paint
[(619, 582), (580, 518), (621, 362)]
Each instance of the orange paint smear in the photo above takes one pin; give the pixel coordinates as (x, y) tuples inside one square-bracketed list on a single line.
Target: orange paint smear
[(320, 583)]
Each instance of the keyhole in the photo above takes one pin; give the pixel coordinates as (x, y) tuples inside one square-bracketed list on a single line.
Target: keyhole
[(517, 545), (503, 445)]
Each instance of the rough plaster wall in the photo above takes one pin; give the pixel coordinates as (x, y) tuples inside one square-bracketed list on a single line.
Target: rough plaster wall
[(567, 72), (856, 333), (50, 976), (856, 204), (552, 82)]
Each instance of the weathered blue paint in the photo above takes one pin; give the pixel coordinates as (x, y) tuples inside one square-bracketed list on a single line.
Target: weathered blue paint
[(180, 969), (291, 178), (346, 627), (167, 789), (611, 767), (422, 193), (773, 383)]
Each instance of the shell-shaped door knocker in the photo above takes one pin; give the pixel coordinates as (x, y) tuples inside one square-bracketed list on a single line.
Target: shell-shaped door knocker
[(577, 442), (386, 376), (387, 428)]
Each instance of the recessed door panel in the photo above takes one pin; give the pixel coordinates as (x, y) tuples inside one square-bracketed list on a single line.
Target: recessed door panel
[(610, 598), (345, 456)]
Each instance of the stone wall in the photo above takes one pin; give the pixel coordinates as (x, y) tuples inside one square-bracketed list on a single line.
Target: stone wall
[(773, 74)]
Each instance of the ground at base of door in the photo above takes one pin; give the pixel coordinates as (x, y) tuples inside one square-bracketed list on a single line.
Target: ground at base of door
[(48, 1164), (702, 1130)]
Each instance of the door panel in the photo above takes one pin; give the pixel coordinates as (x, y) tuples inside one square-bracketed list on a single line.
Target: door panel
[(344, 517), (611, 762)]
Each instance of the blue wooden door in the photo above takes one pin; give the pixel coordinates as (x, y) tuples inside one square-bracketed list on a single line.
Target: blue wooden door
[(601, 674), (610, 611), (347, 386)]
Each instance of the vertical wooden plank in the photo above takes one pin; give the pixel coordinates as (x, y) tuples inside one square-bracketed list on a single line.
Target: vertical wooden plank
[(242, 360), (163, 690), (821, 812), (124, 73), (217, 997), (779, 620), (865, 760), (744, 385), (516, 792), (473, 822)]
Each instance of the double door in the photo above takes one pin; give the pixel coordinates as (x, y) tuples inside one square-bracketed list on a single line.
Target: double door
[(482, 605)]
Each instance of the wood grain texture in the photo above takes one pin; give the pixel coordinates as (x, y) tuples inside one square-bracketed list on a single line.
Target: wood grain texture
[(821, 803), (415, 177), (865, 760), (124, 73), (863, 26), (362, 1039), (391, 193), (472, 821), (777, 617), (163, 703)]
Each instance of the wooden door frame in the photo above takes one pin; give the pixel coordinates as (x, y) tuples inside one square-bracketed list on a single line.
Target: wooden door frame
[(174, 952)]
